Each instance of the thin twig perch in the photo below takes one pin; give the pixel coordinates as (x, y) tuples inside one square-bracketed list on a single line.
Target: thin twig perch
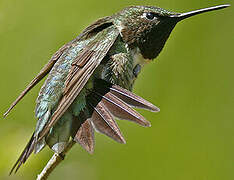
[(54, 162)]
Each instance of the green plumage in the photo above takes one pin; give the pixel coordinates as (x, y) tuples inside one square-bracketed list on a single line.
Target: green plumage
[(91, 78)]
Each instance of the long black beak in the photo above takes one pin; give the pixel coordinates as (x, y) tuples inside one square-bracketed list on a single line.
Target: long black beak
[(182, 16)]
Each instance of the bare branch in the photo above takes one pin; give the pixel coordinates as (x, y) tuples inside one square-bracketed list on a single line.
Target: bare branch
[(54, 162)]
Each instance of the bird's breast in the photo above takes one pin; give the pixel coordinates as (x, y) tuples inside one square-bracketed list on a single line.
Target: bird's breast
[(122, 68)]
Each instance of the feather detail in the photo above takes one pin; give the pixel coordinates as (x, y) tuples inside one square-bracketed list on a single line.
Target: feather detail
[(101, 47), (85, 136), (125, 95), (44, 71), (132, 99), (121, 110), (104, 123), (24, 155)]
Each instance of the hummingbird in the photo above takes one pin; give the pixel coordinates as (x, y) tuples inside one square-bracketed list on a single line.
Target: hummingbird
[(90, 79)]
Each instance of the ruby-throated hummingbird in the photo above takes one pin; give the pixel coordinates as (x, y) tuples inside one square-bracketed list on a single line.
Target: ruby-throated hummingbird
[(90, 79)]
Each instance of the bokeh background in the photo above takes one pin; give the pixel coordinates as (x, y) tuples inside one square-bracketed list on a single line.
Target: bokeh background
[(191, 81)]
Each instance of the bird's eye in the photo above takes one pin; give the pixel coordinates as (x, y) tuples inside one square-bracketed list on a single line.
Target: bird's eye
[(149, 15)]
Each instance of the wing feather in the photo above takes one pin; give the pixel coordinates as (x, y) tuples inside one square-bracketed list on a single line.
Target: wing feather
[(100, 46), (24, 155), (93, 28), (44, 71)]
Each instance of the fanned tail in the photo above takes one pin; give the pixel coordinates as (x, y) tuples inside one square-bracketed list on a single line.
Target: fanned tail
[(119, 102), (24, 155), (122, 110), (105, 102)]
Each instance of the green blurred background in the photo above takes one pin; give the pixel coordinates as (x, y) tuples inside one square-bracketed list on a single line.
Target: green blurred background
[(191, 81)]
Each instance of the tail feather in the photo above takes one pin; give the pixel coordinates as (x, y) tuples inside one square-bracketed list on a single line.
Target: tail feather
[(132, 99), (121, 110), (85, 136), (24, 155), (125, 95), (104, 123)]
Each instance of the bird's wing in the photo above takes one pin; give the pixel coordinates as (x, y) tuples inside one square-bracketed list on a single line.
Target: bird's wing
[(44, 71), (87, 66), (96, 26), (83, 67)]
